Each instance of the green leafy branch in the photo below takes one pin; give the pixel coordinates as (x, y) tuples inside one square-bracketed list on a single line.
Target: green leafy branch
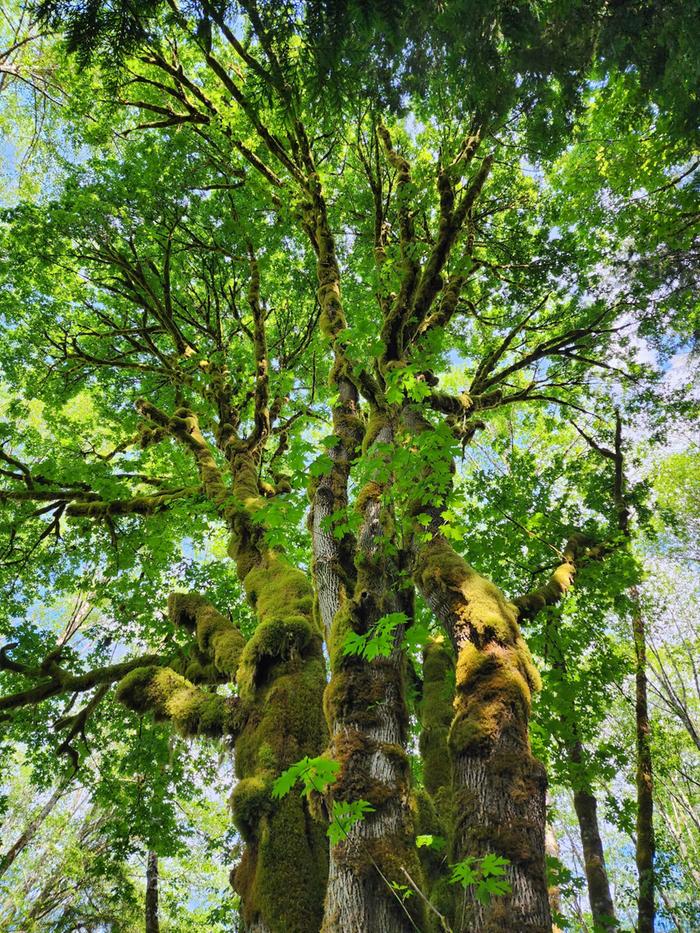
[(379, 641), (486, 874)]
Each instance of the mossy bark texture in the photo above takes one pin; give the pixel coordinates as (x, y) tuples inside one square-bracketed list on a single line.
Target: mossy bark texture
[(498, 786), (436, 712), (368, 717)]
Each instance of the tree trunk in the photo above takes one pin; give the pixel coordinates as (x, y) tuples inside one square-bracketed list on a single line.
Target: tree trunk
[(645, 785), (31, 830), (152, 922), (498, 786), (366, 709), (602, 907)]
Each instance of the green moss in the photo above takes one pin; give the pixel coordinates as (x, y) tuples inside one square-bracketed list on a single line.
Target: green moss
[(169, 696), (436, 712), (250, 801), (132, 690), (377, 421), (217, 637), (286, 720)]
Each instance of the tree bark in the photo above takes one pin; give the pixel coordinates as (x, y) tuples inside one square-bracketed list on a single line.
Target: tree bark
[(366, 708), (152, 921), (498, 786), (599, 895)]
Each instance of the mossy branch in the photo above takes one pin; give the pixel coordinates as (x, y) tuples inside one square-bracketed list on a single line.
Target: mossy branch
[(62, 681), (261, 427), (579, 549), (218, 638), (171, 697), (184, 427)]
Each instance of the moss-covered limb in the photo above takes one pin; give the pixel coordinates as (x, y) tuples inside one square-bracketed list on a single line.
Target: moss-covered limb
[(171, 697), (61, 681), (578, 551), (184, 427), (139, 505), (218, 638), (453, 215), (498, 787), (261, 413), (396, 317)]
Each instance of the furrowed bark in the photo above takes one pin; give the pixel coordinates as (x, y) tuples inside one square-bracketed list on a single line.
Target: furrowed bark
[(366, 709), (498, 786)]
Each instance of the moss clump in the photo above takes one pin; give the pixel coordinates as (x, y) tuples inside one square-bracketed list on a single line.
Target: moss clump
[(217, 637), (285, 721), (436, 712), (132, 689), (276, 640), (250, 802), (377, 421)]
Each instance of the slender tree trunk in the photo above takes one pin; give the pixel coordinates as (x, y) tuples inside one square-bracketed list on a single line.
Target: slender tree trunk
[(602, 907), (152, 921), (645, 848), (30, 830), (645, 783)]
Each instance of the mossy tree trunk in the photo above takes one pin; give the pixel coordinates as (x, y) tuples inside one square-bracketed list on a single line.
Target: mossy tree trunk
[(276, 718), (498, 786), (435, 801), (367, 713)]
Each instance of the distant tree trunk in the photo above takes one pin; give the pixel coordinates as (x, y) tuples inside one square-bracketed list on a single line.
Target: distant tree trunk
[(645, 783), (586, 807), (31, 830), (152, 922), (551, 849)]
